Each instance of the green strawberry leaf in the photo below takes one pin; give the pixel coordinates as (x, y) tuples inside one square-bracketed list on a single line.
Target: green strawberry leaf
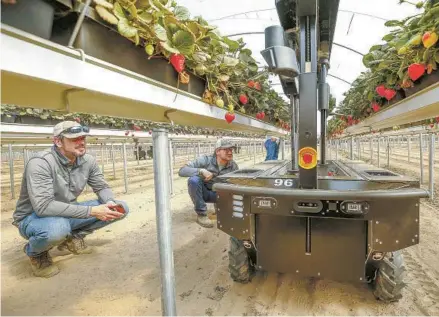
[(145, 17), (182, 13), (118, 11), (230, 61), (125, 29), (168, 47), (160, 32), (184, 42)]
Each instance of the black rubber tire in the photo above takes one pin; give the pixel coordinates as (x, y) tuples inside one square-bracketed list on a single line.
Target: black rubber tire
[(240, 267), (389, 280)]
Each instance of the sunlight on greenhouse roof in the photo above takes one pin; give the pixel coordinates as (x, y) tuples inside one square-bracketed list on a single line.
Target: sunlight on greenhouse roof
[(360, 24)]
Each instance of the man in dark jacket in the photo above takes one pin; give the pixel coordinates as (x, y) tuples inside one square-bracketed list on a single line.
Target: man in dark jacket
[(201, 173), (47, 212)]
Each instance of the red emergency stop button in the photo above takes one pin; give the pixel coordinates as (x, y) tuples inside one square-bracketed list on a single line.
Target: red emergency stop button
[(307, 158)]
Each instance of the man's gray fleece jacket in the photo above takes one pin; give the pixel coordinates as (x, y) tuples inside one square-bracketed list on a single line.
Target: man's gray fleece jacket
[(51, 186)]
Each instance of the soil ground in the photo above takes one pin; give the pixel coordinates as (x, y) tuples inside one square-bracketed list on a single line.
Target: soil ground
[(122, 276)]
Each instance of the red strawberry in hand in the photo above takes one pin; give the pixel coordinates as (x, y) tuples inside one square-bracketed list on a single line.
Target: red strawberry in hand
[(381, 90), (389, 94), (229, 117), (243, 99), (416, 70), (177, 60)]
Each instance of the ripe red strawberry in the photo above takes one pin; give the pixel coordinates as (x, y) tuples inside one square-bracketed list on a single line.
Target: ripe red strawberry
[(330, 174), (389, 94), (251, 84), (229, 117), (262, 115), (136, 128), (381, 90), (257, 86), (177, 60), (432, 125), (243, 99), (127, 132), (259, 116), (437, 119), (375, 107), (78, 120), (416, 70)]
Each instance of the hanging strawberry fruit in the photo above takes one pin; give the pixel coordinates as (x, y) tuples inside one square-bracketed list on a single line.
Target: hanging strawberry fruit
[(251, 84), (220, 103), (136, 128), (126, 133), (416, 70), (429, 39), (257, 86), (229, 117), (381, 90), (375, 107), (259, 116), (177, 60), (262, 114), (437, 119), (389, 94), (78, 120), (243, 99)]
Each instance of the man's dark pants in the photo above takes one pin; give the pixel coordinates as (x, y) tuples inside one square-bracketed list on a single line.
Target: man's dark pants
[(200, 194)]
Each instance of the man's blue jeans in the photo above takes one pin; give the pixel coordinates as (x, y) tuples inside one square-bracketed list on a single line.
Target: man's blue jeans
[(44, 233), (200, 194)]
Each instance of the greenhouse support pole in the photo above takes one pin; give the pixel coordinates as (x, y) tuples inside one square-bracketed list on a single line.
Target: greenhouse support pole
[(11, 170), (388, 152), (78, 24), (164, 223), (171, 168), (378, 141), (112, 160), (102, 158), (421, 153), (431, 166), (125, 169), (282, 148)]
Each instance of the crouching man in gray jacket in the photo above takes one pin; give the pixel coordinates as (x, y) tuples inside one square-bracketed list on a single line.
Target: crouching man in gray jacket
[(47, 213), (201, 173)]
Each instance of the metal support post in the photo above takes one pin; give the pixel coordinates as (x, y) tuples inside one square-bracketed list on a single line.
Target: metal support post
[(11, 170), (112, 161), (294, 132), (102, 158), (282, 148), (164, 222), (388, 152), (171, 168), (323, 104), (409, 147), (125, 169), (421, 154), (431, 166), (351, 148), (378, 141), (336, 149)]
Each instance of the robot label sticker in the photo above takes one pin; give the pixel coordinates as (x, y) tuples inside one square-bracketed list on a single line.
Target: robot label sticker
[(307, 158)]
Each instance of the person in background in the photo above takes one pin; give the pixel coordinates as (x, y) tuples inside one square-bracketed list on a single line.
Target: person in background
[(272, 148), (201, 173), (47, 212)]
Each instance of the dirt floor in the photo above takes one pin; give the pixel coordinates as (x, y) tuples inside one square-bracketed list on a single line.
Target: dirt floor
[(122, 276)]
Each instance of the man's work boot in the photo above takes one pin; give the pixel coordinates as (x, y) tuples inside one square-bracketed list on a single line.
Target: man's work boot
[(76, 245), (204, 221), (42, 265)]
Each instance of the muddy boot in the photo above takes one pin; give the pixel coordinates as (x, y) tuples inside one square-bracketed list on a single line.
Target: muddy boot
[(76, 245), (42, 265), (204, 221)]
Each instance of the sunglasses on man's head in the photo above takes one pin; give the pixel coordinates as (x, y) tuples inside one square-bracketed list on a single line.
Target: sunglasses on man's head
[(77, 129)]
